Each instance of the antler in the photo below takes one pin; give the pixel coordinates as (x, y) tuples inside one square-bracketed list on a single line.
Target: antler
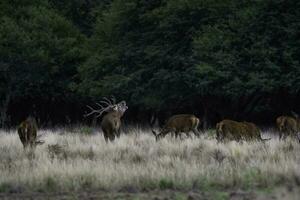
[(102, 109), (113, 99), (107, 101), (98, 112), (121, 106)]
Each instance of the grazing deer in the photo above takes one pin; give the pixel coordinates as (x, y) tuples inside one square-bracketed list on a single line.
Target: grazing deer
[(27, 131), (233, 130), (179, 123), (111, 122)]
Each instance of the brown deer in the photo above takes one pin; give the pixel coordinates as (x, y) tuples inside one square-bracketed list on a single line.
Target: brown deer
[(228, 129), (178, 124), (27, 132), (288, 126), (233, 130), (111, 122)]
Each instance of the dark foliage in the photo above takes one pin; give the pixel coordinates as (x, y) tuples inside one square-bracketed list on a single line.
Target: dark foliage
[(215, 59)]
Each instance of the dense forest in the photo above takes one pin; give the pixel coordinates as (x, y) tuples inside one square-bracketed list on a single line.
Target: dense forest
[(217, 59)]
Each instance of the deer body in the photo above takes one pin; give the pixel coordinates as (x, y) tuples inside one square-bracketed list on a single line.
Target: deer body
[(233, 130), (111, 122), (178, 124), (288, 126), (253, 132), (228, 129), (110, 125), (27, 132)]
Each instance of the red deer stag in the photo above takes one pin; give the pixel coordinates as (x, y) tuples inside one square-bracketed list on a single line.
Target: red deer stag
[(179, 123), (27, 131), (111, 122)]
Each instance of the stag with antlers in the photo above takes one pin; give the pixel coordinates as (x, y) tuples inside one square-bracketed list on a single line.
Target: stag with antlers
[(111, 121)]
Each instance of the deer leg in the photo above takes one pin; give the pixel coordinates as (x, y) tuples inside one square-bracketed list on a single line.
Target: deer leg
[(219, 139), (188, 134), (118, 133), (176, 134), (31, 145), (172, 134), (298, 136), (26, 137), (25, 140), (196, 132), (285, 136), (180, 136), (105, 136), (111, 137), (280, 135)]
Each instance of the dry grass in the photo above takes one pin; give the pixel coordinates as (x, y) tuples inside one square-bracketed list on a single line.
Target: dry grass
[(73, 161)]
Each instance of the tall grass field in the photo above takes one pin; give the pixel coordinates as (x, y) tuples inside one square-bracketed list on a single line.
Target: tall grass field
[(74, 161)]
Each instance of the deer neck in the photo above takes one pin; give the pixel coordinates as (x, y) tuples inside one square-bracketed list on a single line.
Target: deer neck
[(115, 114)]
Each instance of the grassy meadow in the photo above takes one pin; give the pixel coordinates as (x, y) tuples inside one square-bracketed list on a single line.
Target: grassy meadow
[(78, 160)]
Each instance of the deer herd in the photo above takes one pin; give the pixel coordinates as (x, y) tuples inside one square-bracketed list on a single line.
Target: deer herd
[(226, 130)]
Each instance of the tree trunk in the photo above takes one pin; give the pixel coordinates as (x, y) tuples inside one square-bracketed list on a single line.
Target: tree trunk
[(205, 113), (3, 110), (205, 118)]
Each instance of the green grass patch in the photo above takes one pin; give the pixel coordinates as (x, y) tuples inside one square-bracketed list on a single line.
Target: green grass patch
[(166, 184), (5, 187), (86, 130), (218, 195), (50, 184)]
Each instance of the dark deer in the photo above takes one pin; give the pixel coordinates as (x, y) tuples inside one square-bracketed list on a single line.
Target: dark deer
[(27, 131), (111, 122)]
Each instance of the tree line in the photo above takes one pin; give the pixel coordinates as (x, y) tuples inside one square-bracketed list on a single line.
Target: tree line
[(236, 59)]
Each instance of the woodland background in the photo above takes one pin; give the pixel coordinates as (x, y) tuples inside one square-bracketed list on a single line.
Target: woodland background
[(217, 59)]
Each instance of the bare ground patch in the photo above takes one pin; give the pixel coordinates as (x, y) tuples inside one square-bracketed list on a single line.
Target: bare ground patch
[(276, 193)]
